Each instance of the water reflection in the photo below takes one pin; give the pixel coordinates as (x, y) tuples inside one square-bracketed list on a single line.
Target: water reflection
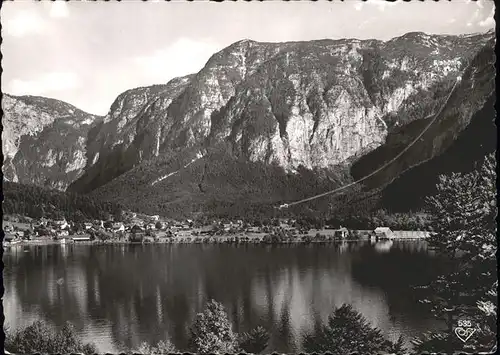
[(119, 296), (384, 246)]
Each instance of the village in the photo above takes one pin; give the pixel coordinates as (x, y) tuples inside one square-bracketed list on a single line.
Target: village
[(153, 229)]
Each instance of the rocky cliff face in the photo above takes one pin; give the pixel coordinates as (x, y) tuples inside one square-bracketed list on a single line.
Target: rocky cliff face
[(324, 103), (130, 133), (328, 107), (472, 92), (317, 104), (44, 141)]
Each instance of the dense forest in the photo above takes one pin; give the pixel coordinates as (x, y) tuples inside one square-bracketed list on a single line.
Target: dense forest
[(222, 184), (37, 202)]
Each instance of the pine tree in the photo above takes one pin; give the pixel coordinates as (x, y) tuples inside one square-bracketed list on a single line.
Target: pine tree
[(346, 332), (211, 332), (463, 217), (254, 341)]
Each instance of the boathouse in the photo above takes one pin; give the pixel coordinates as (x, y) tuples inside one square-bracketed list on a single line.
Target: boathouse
[(383, 233)]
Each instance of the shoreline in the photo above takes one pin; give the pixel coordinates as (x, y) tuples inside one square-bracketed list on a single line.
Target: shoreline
[(201, 240)]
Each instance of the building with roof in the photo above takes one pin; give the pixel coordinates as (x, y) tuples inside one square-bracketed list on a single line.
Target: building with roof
[(118, 227), (81, 238), (383, 233), (341, 233)]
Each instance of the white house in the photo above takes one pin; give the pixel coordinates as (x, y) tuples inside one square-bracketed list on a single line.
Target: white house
[(341, 233), (253, 230), (118, 227), (62, 233), (163, 225), (62, 224), (384, 232)]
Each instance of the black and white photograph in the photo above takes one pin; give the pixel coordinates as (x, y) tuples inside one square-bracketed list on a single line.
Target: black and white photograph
[(260, 177)]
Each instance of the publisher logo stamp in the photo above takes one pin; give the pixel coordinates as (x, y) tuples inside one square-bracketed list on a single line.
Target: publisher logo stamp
[(464, 330)]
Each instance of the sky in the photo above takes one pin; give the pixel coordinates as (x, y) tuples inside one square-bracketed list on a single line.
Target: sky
[(87, 53)]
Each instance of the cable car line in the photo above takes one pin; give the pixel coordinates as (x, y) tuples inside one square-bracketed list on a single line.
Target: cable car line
[(286, 205)]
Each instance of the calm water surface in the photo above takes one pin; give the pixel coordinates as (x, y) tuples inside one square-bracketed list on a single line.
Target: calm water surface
[(121, 295)]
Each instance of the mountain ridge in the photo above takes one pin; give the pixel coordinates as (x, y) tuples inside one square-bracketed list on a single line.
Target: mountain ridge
[(323, 105), (418, 108), (43, 140)]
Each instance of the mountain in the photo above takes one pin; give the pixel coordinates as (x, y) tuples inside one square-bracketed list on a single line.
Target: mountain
[(464, 155), (130, 133), (44, 141), (475, 89), (266, 123)]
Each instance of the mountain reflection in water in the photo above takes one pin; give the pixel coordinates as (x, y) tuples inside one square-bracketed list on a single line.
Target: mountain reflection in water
[(119, 296)]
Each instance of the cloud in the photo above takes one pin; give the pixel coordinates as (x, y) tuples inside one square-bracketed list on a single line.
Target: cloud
[(184, 56), (489, 21), (46, 83), (24, 23), (380, 4), (59, 9), (478, 13)]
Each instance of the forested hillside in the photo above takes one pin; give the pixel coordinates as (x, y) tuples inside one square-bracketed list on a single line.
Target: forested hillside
[(37, 202)]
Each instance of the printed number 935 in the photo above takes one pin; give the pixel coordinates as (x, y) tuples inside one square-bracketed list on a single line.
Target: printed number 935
[(464, 323)]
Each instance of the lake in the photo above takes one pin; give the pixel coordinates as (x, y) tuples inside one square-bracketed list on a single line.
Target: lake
[(118, 296)]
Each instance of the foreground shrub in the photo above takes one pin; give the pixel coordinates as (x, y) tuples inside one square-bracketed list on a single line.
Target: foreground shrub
[(211, 332), (162, 348), (346, 332), (254, 341), (40, 338)]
